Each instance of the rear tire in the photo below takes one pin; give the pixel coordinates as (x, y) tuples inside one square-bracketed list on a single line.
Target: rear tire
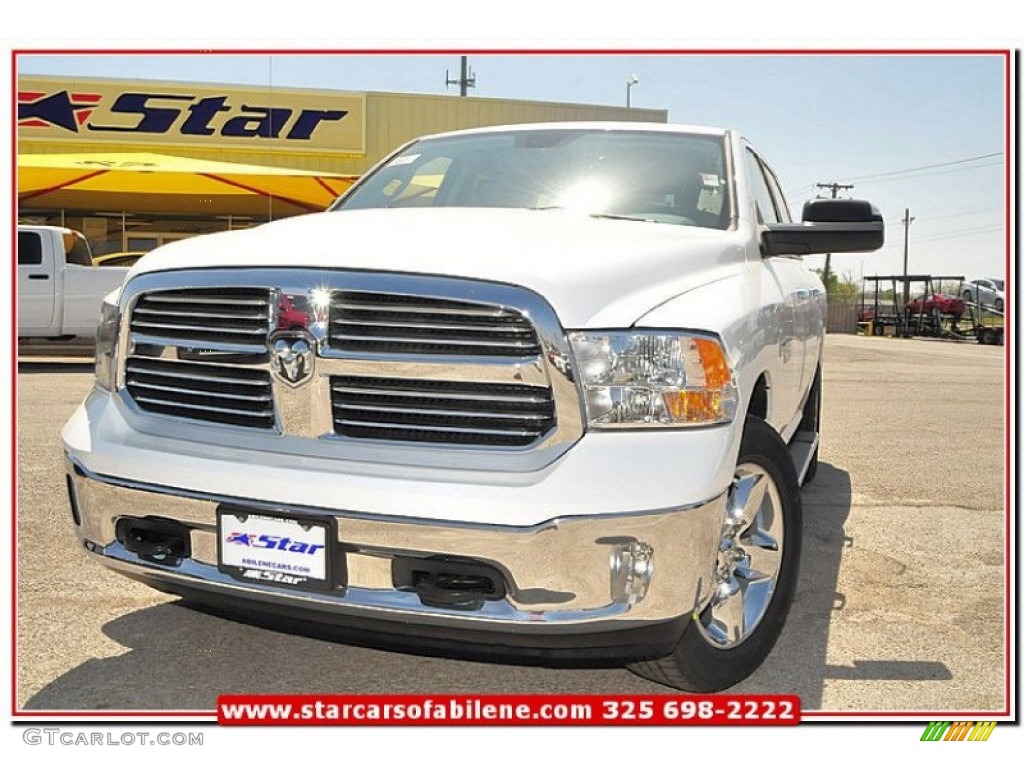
[(754, 579)]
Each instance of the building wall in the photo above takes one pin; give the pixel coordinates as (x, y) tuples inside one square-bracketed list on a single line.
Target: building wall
[(387, 121)]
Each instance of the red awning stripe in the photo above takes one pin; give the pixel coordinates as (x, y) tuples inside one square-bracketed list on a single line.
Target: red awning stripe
[(326, 186), (247, 188), (62, 185)]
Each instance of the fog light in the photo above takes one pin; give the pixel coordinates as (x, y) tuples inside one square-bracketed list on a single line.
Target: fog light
[(632, 567)]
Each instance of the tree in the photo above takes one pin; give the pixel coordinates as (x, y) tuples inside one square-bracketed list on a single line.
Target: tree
[(844, 290)]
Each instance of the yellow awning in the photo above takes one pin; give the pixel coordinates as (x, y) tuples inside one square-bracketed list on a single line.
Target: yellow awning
[(156, 183)]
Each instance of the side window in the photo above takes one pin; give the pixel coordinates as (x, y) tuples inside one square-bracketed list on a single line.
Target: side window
[(30, 248), (780, 200), (760, 190), (76, 250)]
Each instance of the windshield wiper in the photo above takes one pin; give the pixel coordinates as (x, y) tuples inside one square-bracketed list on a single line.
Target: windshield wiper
[(594, 214), (620, 217)]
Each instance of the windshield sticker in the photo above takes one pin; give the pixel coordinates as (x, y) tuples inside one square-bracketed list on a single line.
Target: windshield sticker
[(403, 160)]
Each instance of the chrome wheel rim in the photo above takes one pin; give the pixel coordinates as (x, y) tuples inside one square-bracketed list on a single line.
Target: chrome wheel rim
[(749, 559)]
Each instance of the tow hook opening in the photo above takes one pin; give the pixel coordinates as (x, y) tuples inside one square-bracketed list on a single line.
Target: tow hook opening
[(76, 514), (444, 582), (155, 539)]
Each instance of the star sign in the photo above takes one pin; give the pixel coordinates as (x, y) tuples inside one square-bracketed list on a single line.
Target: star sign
[(56, 109)]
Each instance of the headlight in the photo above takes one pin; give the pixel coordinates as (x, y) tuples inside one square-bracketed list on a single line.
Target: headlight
[(653, 379), (106, 341)]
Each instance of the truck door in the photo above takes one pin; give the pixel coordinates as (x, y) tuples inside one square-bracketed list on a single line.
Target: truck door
[(810, 297), (84, 287), (37, 279), (783, 301)]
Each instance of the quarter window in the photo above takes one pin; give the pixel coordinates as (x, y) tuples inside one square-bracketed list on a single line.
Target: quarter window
[(760, 191), (30, 249)]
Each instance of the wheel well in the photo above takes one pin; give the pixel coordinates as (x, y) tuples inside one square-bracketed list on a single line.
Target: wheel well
[(759, 399)]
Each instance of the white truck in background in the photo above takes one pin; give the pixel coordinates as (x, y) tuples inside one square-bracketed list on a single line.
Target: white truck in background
[(60, 292)]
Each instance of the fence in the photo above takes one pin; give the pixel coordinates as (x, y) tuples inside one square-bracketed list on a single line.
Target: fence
[(842, 318)]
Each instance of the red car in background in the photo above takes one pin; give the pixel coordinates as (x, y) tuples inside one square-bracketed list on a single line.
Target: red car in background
[(936, 302)]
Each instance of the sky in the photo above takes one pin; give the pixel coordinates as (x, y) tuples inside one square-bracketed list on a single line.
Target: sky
[(924, 132)]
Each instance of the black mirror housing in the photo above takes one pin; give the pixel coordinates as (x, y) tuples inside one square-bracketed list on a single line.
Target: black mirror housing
[(829, 226)]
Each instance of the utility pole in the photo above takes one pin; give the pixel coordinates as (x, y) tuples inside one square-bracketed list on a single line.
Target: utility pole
[(907, 221), (835, 187), (467, 78)]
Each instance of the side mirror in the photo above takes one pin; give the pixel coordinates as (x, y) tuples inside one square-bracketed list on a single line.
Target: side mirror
[(829, 226)]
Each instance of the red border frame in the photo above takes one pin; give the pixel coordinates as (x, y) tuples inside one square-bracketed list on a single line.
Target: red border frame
[(1007, 56)]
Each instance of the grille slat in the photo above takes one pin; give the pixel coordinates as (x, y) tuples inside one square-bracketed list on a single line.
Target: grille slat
[(466, 310), (257, 313), (415, 410), (220, 299), (145, 325), (437, 395), (405, 432), (384, 323), (194, 407), (205, 315), (221, 394), (407, 343), (438, 326), (462, 413), (206, 393), (195, 376)]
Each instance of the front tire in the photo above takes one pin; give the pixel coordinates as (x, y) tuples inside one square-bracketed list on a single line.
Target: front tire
[(754, 579)]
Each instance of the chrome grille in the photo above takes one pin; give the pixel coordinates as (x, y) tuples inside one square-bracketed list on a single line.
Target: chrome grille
[(415, 359), (205, 315), (216, 393), (362, 321), (432, 411)]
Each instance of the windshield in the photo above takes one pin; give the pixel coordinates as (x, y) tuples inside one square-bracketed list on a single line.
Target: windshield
[(671, 178), (998, 284)]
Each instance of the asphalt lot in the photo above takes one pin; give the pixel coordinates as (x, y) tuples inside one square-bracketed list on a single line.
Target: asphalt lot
[(900, 605)]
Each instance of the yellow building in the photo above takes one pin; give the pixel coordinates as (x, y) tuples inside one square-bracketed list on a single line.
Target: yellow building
[(134, 163)]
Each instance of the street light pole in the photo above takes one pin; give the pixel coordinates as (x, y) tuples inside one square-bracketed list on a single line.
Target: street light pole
[(633, 80)]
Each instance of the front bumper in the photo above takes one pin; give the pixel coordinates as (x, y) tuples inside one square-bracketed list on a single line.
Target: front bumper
[(563, 588)]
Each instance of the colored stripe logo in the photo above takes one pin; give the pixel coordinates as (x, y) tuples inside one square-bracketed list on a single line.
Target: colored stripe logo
[(958, 731)]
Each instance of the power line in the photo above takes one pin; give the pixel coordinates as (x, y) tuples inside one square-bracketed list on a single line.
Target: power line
[(933, 173), (963, 233), (882, 177), (962, 213), (929, 167), (949, 236)]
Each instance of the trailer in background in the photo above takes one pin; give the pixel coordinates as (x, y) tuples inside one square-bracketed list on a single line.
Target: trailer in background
[(914, 305)]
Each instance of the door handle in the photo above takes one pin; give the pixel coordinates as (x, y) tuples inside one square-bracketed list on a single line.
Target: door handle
[(38, 277)]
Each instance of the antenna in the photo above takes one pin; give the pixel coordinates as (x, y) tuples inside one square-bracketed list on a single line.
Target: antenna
[(466, 80)]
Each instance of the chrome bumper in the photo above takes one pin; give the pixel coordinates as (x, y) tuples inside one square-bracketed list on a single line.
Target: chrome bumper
[(564, 576)]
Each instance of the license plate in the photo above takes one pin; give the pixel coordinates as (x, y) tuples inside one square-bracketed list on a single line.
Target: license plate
[(286, 551)]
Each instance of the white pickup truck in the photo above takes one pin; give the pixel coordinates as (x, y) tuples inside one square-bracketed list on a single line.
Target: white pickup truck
[(546, 389), (59, 289)]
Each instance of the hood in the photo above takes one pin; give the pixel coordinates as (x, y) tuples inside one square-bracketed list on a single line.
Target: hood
[(594, 272)]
